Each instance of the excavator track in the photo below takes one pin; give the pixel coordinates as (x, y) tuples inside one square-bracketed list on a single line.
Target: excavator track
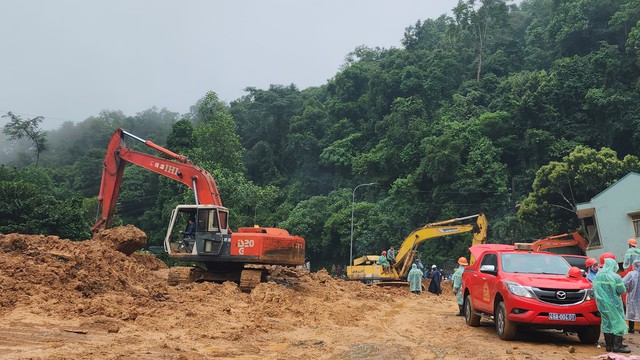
[(249, 279), (181, 275)]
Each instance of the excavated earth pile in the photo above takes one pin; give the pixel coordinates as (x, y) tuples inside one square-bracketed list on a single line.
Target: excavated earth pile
[(53, 275), (126, 239), (86, 300)]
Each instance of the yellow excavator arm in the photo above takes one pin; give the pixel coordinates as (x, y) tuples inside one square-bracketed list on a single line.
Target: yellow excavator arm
[(407, 250), (364, 268)]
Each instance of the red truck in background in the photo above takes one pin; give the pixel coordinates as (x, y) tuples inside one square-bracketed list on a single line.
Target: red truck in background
[(524, 289)]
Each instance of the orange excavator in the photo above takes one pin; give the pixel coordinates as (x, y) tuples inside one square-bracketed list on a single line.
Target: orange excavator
[(572, 247), (222, 255), (573, 244)]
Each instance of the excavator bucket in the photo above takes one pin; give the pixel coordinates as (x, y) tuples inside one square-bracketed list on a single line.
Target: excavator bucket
[(126, 239)]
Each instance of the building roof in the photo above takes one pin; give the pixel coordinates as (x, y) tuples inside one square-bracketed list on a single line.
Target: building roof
[(586, 209)]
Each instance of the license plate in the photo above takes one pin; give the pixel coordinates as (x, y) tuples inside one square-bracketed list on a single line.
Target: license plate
[(562, 317)]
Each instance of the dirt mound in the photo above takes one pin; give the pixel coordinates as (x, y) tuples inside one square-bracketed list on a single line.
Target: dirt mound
[(65, 276), (149, 261), (126, 239)]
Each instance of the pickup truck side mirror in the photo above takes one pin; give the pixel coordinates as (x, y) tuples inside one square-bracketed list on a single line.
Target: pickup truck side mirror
[(488, 268)]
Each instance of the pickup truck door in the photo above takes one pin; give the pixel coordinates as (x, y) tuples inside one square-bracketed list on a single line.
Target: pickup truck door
[(484, 280)]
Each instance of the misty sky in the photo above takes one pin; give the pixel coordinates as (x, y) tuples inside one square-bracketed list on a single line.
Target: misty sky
[(69, 59)]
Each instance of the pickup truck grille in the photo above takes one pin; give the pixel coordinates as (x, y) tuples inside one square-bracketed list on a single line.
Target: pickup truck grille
[(559, 296)]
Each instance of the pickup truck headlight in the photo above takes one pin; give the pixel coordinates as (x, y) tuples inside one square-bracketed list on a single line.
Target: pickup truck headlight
[(519, 290)]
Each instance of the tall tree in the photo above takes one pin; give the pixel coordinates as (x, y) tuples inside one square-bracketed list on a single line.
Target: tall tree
[(17, 128), (215, 139), (559, 186), (485, 20)]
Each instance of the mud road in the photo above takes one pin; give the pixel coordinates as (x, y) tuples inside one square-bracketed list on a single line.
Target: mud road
[(83, 300)]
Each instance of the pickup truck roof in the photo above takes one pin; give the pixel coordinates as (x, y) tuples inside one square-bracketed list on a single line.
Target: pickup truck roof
[(478, 250)]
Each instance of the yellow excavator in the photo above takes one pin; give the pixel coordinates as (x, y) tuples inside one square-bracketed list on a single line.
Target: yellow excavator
[(367, 269)]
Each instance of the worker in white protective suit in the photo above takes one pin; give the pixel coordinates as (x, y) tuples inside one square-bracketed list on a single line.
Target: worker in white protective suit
[(632, 283)]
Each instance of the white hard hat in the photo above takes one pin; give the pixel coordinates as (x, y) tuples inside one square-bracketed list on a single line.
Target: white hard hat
[(433, 266)]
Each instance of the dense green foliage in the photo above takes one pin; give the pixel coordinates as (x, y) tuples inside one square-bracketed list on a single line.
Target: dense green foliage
[(559, 186), (496, 108), (31, 204)]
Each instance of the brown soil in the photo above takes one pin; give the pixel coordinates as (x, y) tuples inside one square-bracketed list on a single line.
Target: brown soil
[(85, 300)]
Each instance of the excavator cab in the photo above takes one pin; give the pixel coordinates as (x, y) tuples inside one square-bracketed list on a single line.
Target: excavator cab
[(211, 233)]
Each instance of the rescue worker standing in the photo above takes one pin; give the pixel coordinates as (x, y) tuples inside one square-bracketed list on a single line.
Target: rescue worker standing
[(415, 279), (436, 279), (457, 283), (632, 283), (632, 254), (608, 286), (391, 256)]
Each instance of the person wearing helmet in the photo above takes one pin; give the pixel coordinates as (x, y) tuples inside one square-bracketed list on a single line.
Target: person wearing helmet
[(632, 283), (608, 286), (415, 279), (632, 254), (607, 255), (436, 280), (575, 272), (457, 283), (382, 260), (592, 269)]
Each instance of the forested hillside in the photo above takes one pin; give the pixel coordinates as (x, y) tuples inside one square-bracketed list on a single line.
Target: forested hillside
[(519, 112)]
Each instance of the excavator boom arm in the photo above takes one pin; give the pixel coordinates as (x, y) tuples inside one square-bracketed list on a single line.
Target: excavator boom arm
[(563, 240), (405, 255), (178, 168)]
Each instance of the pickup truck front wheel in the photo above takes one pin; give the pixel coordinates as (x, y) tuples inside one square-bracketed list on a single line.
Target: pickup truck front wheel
[(506, 329), (470, 315), (589, 334)]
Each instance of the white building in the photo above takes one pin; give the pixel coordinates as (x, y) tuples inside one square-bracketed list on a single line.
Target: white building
[(612, 217)]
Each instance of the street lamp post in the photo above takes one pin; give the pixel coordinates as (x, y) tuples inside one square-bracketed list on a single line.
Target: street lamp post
[(353, 200)]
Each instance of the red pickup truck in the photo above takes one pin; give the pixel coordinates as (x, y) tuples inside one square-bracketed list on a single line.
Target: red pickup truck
[(523, 289)]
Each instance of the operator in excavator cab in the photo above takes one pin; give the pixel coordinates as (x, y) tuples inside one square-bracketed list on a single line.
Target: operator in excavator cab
[(189, 235)]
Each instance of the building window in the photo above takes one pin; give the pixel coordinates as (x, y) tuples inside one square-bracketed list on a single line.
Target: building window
[(636, 224), (592, 232)]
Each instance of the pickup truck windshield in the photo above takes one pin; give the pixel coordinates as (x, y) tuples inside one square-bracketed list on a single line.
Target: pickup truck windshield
[(530, 263)]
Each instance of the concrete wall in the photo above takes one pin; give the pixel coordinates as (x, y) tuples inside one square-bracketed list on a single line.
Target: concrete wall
[(611, 215)]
